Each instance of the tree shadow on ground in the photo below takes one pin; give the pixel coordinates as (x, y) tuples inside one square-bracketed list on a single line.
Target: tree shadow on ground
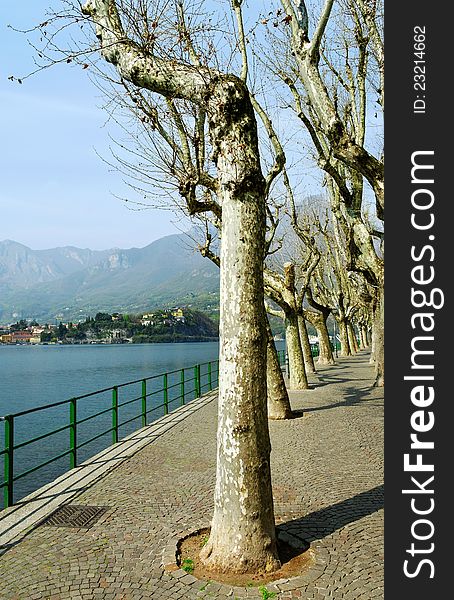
[(351, 396), (321, 523)]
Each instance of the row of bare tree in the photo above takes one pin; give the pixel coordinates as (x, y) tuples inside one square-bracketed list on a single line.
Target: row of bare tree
[(224, 103)]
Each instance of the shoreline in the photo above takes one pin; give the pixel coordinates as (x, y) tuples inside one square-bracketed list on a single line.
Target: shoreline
[(99, 343)]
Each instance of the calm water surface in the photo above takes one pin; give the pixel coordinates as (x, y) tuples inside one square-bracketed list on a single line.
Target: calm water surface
[(32, 376)]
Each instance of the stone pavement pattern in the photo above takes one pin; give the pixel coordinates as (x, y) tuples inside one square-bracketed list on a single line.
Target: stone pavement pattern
[(327, 467)]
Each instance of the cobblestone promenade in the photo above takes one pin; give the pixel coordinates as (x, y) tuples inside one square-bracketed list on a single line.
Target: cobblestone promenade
[(327, 468)]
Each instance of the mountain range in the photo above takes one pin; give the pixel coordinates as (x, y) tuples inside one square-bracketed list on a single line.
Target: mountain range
[(71, 283)]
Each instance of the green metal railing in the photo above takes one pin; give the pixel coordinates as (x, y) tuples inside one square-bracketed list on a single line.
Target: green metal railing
[(179, 386), (314, 350), (176, 386)]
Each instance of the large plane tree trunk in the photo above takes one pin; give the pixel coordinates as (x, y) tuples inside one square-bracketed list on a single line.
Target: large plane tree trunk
[(325, 356), (242, 535)]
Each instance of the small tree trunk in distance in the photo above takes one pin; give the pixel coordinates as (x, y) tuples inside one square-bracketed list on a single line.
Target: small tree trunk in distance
[(363, 337), (325, 356), (343, 334), (278, 400), (298, 379), (352, 337), (372, 341), (306, 346), (379, 350), (318, 320)]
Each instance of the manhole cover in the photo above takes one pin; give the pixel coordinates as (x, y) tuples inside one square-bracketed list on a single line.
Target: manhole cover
[(72, 515)]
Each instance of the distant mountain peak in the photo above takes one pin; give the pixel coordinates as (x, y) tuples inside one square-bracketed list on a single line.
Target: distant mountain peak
[(71, 281)]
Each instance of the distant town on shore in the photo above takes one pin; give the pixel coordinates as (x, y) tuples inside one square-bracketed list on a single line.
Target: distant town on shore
[(177, 324)]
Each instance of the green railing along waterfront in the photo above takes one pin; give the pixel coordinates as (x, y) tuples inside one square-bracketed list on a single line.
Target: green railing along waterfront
[(152, 397)]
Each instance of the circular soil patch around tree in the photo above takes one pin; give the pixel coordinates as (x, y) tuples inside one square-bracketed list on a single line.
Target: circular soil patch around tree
[(294, 562)]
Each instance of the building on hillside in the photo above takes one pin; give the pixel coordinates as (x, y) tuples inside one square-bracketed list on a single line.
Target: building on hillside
[(37, 330), (147, 319), (21, 337), (178, 315)]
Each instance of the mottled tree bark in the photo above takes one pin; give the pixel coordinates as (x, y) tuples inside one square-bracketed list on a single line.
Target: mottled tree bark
[(343, 334), (343, 145), (339, 136), (282, 291), (242, 535), (363, 337), (372, 341), (305, 345), (298, 378), (379, 339), (319, 320), (352, 337), (278, 400), (325, 356)]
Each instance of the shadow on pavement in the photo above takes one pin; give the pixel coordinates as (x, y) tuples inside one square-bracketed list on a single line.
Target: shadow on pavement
[(352, 396), (324, 522)]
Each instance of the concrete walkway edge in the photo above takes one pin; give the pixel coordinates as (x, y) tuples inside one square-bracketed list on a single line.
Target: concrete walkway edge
[(17, 520)]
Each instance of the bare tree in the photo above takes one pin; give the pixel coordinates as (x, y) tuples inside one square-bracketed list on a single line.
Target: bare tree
[(282, 290), (345, 144), (278, 400), (332, 75), (242, 536)]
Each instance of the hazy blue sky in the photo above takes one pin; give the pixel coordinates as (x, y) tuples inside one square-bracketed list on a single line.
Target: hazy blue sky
[(54, 188)]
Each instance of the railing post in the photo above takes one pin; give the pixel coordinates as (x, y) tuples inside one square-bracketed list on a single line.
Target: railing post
[(9, 461), (114, 414), (197, 381), (144, 402), (182, 386), (166, 396), (73, 433), (196, 385), (210, 383)]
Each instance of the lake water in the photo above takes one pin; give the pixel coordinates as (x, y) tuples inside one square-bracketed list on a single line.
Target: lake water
[(32, 376)]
